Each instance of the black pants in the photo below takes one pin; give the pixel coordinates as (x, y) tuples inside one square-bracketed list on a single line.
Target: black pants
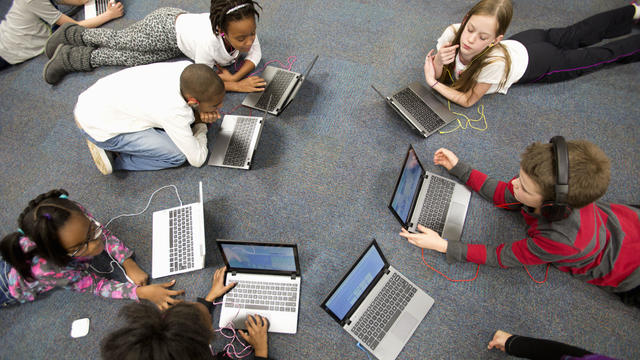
[(560, 54), (3, 63), (531, 348)]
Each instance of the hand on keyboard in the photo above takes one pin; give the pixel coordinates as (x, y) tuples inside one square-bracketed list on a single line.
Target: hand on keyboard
[(217, 285), (114, 10), (251, 84), (257, 328), (426, 239)]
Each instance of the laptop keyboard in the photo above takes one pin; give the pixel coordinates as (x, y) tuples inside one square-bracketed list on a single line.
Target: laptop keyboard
[(101, 6), (420, 111), (180, 239), (436, 204), (384, 310), (258, 295), (240, 141), (276, 87)]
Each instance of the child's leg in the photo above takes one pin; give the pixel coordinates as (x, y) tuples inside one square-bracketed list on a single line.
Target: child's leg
[(550, 64), (150, 149), (5, 297), (106, 56), (156, 32), (594, 29)]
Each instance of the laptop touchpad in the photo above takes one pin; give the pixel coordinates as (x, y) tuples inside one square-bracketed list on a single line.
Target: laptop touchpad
[(456, 214), (403, 326)]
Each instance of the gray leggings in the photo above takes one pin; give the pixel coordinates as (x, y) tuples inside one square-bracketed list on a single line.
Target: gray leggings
[(152, 39)]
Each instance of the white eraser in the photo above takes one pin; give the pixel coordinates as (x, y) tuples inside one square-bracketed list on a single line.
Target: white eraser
[(80, 328)]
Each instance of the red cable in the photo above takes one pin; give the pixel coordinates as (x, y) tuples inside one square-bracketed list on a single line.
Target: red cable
[(446, 277), (546, 273)]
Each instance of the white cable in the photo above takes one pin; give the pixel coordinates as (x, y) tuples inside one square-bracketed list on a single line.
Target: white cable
[(148, 203)]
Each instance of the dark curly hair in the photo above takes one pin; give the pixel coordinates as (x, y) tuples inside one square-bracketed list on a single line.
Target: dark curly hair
[(219, 9), (40, 222)]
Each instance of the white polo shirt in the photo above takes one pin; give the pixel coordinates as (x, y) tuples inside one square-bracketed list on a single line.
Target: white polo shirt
[(139, 98), (196, 40)]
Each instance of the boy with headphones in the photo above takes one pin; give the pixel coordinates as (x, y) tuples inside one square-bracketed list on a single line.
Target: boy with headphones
[(150, 117), (557, 193)]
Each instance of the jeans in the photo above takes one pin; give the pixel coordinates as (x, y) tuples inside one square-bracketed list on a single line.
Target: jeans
[(150, 149)]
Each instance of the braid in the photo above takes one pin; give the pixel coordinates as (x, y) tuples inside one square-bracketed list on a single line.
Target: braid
[(40, 222), (220, 19)]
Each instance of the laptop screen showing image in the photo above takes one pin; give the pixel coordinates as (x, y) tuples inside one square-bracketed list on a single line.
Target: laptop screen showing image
[(274, 258), (407, 186), (355, 283)]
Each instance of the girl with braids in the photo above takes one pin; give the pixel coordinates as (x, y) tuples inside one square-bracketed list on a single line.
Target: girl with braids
[(54, 246), (215, 39), (472, 58)]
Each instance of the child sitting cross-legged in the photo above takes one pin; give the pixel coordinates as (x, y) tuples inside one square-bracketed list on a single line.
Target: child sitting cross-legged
[(568, 227)]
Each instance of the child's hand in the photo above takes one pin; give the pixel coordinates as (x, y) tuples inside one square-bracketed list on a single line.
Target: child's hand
[(137, 275), (217, 286), (257, 327), (160, 294), (114, 9), (499, 340), (426, 239), (209, 117), (429, 70), (252, 84), (446, 54), (224, 74), (446, 158)]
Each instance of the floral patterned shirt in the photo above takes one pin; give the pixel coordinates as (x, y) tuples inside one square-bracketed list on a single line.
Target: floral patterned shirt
[(74, 276)]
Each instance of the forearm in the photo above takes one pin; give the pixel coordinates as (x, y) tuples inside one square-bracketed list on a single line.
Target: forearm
[(88, 23), (532, 348), (460, 98), (244, 70), (73, 2)]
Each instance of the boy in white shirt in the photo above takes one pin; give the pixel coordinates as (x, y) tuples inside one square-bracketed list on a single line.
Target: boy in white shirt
[(152, 116)]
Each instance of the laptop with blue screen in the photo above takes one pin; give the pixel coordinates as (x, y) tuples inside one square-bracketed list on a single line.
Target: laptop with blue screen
[(422, 197), (377, 305), (268, 284)]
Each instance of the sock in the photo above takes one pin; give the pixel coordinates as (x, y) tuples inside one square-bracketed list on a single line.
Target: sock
[(636, 15)]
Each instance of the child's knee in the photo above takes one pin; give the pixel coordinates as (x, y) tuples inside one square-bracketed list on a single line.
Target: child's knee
[(176, 159)]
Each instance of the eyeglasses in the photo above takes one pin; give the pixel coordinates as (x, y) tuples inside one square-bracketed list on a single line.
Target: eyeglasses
[(94, 233)]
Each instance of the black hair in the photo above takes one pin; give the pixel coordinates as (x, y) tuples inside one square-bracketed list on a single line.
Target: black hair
[(40, 222), (201, 82), (220, 19), (179, 332)]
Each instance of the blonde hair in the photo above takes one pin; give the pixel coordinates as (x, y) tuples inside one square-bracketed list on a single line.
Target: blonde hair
[(503, 11), (589, 171)]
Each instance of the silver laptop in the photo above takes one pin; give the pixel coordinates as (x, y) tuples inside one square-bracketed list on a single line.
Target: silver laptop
[(417, 106), (433, 201), (282, 84), (178, 240), (377, 305), (94, 8), (236, 143), (268, 284)]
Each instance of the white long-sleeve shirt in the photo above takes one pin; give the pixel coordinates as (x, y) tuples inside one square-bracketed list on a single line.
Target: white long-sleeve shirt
[(197, 41), (140, 98)]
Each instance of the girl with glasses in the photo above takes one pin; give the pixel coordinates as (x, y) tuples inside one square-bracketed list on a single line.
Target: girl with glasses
[(54, 246)]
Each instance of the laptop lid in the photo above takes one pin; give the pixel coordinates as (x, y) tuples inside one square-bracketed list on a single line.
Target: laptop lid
[(407, 188), (260, 258), (356, 284), (297, 87)]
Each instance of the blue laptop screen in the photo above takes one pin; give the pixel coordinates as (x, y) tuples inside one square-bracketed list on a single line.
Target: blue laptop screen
[(279, 258), (355, 283), (407, 186)]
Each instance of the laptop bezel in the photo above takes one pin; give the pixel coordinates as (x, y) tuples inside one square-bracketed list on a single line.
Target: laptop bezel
[(415, 195), (230, 268), (364, 295)]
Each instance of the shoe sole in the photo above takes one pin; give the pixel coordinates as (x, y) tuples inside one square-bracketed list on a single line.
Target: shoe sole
[(101, 158), (46, 66)]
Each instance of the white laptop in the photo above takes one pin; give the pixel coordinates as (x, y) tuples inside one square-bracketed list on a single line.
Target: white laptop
[(94, 8), (282, 85), (377, 305), (237, 141), (178, 240), (268, 284)]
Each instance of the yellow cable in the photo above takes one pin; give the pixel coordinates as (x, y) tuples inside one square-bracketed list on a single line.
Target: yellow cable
[(469, 121)]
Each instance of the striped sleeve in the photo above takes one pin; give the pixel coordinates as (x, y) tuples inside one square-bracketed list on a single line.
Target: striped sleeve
[(498, 192)]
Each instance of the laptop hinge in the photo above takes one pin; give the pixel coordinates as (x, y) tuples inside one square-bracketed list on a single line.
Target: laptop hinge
[(293, 276), (348, 322), (410, 224), (234, 273), (387, 271)]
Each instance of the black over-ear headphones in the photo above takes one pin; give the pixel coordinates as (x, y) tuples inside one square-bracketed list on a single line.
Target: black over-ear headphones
[(559, 209)]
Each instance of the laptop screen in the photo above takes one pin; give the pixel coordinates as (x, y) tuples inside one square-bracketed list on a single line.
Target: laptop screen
[(407, 186), (260, 257), (355, 283)]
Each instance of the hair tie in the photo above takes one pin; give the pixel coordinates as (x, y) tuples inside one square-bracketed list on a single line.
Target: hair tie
[(47, 215), (21, 232), (236, 8), (63, 196)]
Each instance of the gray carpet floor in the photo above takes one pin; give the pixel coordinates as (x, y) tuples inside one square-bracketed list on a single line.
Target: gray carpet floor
[(323, 176)]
